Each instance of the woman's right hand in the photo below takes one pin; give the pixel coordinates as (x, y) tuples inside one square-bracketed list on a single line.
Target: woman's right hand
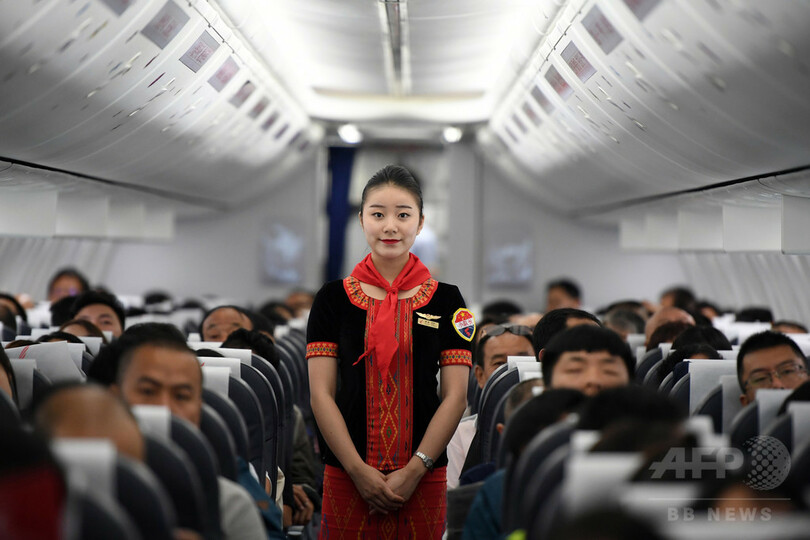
[(375, 491)]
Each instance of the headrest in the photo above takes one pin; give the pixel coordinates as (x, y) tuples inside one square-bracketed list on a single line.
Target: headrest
[(513, 361), (216, 378), (705, 376), (24, 373), (731, 399), (90, 463), (800, 413), (591, 478), (155, 420), (53, 360), (233, 364), (528, 371), (635, 341), (769, 400)]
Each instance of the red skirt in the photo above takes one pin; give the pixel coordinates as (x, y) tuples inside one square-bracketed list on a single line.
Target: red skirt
[(346, 515)]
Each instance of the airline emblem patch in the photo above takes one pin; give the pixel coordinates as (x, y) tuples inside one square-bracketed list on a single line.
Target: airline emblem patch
[(464, 323)]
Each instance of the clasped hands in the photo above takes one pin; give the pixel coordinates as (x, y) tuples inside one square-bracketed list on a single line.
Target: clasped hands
[(387, 492)]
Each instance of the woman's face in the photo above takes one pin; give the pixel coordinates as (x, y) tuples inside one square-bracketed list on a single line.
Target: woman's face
[(390, 220)]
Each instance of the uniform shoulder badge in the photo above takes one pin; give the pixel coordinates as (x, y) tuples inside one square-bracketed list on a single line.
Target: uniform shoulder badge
[(464, 323)]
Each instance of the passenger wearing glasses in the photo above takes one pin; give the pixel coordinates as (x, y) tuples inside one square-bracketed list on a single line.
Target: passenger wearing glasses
[(495, 344), (769, 360)]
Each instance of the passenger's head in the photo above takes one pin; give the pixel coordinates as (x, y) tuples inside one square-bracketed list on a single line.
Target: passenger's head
[(679, 297), (663, 316), (8, 383), (562, 293), (707, 335), (555, 322), (755, 314), (59, 336), (257, 342), (629, 403), (624, 322), (101, 309), (67, 282), (536, 414), (708, 309), (61, 310), (82, 328), (299, 301), (496, 344), (500, 310), (587, 358), (789, 327), (7, 317), (156, 367), (666, 333), (219, 322), (801, 393), (12, 303), (90, 411), (277, 312), (769, 360)]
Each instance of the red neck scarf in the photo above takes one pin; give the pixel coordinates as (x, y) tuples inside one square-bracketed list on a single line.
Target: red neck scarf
[(382, 341)]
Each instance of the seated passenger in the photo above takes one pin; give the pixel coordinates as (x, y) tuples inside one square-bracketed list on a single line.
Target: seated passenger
[(8, 319), (66, 282), (299, 301), (755, 314), (8, 383), (555, 322), (101, 309), (588, 359), (59, 336), (83, 328), (14, 305), (769, 360), (219, 322), (663, 316), (562, 293), (624, 322), (789, 327), (156, 367), (666, 333), (498, 343), (679, 297)]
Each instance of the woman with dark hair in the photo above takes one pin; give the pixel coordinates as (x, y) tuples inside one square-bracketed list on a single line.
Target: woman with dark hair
[(67, 282), (83, 328), (376, 341)]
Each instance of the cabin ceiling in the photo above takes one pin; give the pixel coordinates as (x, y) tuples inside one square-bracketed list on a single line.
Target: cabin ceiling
[(588, 105)]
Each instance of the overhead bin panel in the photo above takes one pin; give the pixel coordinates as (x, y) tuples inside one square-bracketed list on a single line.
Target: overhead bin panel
[(158, 93)]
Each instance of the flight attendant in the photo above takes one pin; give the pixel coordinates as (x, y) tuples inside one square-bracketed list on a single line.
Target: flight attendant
[(376, 341)]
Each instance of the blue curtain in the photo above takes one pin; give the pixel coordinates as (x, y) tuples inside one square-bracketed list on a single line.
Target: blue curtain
[(338, 209)]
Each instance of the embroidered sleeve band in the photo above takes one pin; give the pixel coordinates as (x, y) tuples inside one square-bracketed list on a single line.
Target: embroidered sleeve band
[(455, 357), (321, 348)]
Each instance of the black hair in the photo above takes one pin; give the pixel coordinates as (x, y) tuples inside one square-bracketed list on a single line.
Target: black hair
[(625, 403), (755, 314), (794, 324), (254, 340), (537, 414), (209, 353), (682, 353), (702, 334), (498, 309), (62, 310), (570, 288), (800, 393), (761, 341), (272, 310), (261, 323), (59, 336), (7, 317), (631, 305), (156, 297), (162, 335), (682, 297), (588, 338), (519, 394), (706, 304), (5, 363), (208, 313), (556, 321), (627, 320), (91, 328), (69, 272), (93, 297), (395, 175), (17, 306), (478, 349), (667, 333)]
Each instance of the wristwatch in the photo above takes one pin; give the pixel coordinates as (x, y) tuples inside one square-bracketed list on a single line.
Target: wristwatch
[(426, 460)]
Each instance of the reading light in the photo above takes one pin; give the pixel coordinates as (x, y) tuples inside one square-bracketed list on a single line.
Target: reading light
[(350, 134), (452, 134)]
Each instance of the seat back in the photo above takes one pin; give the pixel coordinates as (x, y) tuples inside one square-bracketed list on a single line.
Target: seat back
[(9, 415), (543, 492), (649, 359), (102, 518), (233, 420), (459, 501), (216, 432), (494, 391), (272, 375), (53, 359), (722, 403), (31, 383), (791, 428), (756, 415), (519, 473)]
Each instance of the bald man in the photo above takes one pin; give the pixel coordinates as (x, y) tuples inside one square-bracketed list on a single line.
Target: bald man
[(90, 411), (663, 316)]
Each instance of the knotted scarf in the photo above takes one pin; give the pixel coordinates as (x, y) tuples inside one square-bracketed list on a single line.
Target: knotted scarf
[(382, 341)]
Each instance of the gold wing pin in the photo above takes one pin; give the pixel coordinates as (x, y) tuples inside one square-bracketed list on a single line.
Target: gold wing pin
[(428, 316)]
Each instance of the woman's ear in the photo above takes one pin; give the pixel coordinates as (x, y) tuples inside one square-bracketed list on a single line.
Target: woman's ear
[(360, 217), (421, 223)]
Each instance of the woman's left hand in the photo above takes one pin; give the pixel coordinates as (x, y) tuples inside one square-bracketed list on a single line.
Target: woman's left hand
[(403, 481)]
